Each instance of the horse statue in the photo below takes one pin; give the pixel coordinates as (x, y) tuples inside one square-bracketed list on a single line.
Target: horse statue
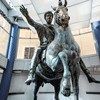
[(64, 48), (62, 58)]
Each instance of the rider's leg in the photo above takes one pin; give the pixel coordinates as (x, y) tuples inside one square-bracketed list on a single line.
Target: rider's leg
[(37, 84), (66, 75), (34, 63)]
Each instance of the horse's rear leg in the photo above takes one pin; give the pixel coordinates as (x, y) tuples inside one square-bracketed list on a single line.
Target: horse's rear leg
[(56, 85), (57, 89), (75, 72), (76, 89), (38, 83)]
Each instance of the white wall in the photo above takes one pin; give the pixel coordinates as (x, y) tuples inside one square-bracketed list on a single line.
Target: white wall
[(3, 61), (18, 85)]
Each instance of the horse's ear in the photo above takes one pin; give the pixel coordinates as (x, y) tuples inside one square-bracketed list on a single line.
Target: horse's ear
[(60, 3), (54, 8), (68, 18), (65, 3)]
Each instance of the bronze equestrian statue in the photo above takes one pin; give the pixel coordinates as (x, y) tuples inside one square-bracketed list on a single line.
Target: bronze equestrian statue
[(61, 60)]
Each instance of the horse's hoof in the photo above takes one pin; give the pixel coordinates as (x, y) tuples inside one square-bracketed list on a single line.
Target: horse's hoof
[(56, 98), (28, 82), (33, 80), (91, 80), (66, 92)]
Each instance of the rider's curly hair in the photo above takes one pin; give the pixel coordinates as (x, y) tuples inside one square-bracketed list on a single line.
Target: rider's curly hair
[(48, 12)]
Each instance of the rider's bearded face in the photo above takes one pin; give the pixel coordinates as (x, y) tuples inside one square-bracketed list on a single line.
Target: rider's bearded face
[(49, 18)]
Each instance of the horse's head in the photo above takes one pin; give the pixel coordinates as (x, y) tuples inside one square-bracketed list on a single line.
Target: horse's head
[(61, 16)]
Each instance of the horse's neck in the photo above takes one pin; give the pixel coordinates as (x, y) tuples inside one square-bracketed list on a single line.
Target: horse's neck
[(63, 33), (67, 29), (65, 36)]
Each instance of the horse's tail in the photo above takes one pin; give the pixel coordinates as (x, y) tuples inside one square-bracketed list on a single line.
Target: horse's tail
[(83, 67)]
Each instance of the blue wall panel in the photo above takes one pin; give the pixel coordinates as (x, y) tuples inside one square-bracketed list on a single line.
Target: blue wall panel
[(96, 30)]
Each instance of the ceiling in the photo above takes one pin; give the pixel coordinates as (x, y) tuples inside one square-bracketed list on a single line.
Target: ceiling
[(81, 12)]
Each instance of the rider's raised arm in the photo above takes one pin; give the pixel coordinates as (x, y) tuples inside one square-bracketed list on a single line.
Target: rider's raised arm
[(24, 11)]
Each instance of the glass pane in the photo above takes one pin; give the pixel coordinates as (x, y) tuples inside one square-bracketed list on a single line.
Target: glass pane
[(80, 12), (79, 25), (7, 27), (5, 24), (95, 14), (4, 37), (40, 4), (26, 53), (20, 2), (73, 2), (96, 3), (34, 35), (1, 19), (25, 33), (85, 30), (32, 12), (86, 43), (76, 32), (31, 53)]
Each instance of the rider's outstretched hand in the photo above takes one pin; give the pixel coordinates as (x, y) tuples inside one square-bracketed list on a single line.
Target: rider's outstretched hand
[(24, 11)]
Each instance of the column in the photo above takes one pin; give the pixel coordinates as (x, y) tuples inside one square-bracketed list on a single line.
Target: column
[(11, 54)]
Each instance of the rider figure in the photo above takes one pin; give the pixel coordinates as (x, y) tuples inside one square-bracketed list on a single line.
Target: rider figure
[(45, 38)]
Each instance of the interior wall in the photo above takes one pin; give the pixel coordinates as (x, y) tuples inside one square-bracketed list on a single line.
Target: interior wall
[(18, 85)]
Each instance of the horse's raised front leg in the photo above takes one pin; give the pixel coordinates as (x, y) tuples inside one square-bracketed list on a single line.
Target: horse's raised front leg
[(75, 72), (38, 83), (66, 75)]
